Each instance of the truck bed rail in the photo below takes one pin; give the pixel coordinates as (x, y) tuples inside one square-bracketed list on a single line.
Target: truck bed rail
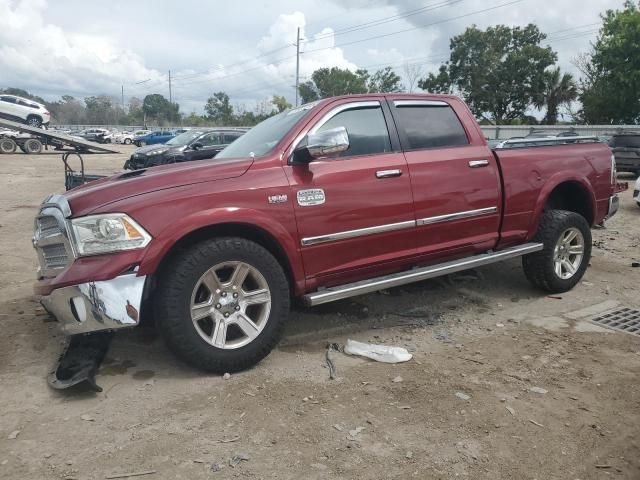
[(544, 142)]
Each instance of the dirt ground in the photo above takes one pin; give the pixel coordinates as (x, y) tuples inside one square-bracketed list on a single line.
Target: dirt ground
[(486, 334)]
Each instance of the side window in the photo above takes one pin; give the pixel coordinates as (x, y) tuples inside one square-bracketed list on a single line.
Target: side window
[(8, 99), (209, 139), (230, 137), (367, 129), (430, 126)]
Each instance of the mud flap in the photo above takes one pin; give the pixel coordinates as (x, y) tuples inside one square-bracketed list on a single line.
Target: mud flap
[(80, 361)]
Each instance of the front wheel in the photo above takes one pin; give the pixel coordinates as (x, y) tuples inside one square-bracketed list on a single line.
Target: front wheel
[(127, 141), (566, 237), (34, 121), (221, 305)]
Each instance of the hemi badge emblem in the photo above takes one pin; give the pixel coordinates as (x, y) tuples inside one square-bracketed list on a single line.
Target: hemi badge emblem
[(308, 198), (277, 198)]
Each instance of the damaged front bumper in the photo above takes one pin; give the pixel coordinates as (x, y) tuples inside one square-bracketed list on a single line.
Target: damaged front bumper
[(97, 306)]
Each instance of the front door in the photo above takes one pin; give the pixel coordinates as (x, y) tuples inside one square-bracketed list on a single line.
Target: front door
[(454, 175), (356, 209)]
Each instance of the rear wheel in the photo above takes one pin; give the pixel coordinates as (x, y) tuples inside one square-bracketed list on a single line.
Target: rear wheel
[(222, 304), (32, 146), (34, 121), (7, 145), (142, 143), (127, 141), (567, 250)]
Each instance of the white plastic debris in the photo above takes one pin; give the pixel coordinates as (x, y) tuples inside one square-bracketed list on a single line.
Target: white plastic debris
[(379, 353)]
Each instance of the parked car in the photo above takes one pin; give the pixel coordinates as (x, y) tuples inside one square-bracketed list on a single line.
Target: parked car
[(636, 191), (152, 138), (23, 110), (333, 199), (98, 135), (124, 137), (197, 144), (626, 148)]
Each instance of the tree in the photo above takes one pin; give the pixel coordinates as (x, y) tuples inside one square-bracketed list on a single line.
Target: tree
[(158, 108), (280, 103), (499, 71), (219, 108), (384, 81), (611, 87), (99, 110), (412, 73), (558, 90), (331, 82), (67, 110)]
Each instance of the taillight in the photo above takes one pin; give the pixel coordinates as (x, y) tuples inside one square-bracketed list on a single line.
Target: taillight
[(614, 172)]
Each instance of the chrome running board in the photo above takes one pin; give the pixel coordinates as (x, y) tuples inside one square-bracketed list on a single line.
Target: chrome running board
[(417, 274)]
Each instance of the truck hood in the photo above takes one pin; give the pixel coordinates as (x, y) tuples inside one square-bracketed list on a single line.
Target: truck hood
[(91, 196)]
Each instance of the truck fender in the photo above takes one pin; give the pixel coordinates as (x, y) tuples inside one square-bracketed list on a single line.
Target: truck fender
[(549, 186), (162, 244)]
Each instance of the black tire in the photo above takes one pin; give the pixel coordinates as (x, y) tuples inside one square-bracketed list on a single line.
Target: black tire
[(174, 295), (32, 146), (127, 141), (7, 145), (539, 267), (34, 121)]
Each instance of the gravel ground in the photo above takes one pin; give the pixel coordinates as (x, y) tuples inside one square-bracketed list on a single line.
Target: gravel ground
[(466, 406)]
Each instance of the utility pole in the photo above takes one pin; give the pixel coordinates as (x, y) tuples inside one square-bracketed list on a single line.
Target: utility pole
[(123, 98), (297, 65), (170, 95)]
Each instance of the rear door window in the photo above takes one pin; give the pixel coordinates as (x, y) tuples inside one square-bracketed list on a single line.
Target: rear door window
[(429, 124), (626, 141)]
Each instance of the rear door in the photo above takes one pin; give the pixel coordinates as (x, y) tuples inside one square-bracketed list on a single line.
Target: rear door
[(454, 176), (9, 107), (354, 210)]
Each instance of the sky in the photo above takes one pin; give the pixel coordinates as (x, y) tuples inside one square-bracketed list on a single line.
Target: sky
[(247, 48)]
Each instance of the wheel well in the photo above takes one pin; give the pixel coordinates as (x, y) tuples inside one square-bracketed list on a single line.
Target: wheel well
[(573, 197), (242, 230), (33, 115)]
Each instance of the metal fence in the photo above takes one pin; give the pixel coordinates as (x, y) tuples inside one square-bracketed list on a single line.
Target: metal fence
[(504, 132), (500, 132)]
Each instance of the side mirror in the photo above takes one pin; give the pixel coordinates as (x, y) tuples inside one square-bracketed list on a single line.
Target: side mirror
[(328, 142), (197, 146)]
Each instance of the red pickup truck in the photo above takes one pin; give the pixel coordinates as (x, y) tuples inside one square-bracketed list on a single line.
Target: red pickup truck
[(336, 198)]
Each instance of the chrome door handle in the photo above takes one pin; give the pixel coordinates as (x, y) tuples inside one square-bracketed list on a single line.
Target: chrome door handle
[(388, 173), (478, 163)]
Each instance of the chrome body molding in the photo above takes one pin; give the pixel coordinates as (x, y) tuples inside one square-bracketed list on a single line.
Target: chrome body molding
[(415, 275), (94, 306), (457, 216), (357, 233), (332, 237)]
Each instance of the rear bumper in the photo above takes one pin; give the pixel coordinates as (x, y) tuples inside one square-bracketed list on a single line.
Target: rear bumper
[(95, 306)]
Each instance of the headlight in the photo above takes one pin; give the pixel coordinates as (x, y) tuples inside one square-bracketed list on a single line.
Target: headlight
[(157, 152), (106, 233)]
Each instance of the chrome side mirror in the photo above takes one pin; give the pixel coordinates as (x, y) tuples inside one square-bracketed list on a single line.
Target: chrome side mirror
[(328, 142)]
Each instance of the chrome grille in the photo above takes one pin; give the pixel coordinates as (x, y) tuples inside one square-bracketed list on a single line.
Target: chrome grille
[(55, 256), (48, 226), (50, 237)]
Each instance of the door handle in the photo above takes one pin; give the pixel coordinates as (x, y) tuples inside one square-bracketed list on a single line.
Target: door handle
[(388, 173), (478, 163)]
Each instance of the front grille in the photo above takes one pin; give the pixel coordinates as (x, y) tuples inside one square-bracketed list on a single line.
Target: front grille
[(48, 226), (51, 239), (55, 256)]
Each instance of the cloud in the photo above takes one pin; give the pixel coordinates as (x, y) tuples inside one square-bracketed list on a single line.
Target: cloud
[(40, 56)]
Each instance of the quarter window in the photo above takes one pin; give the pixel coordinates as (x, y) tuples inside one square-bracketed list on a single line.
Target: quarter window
[(209, 139), (367, 129), (430, 126)]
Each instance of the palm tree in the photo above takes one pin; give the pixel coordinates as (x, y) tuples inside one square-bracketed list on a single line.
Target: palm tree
[(558, 90)]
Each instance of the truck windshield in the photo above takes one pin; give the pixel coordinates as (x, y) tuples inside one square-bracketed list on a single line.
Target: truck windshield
[(262, 138)]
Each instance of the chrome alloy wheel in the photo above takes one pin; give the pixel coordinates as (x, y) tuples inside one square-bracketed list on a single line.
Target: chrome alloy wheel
[(230, 305), (568, 253)]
